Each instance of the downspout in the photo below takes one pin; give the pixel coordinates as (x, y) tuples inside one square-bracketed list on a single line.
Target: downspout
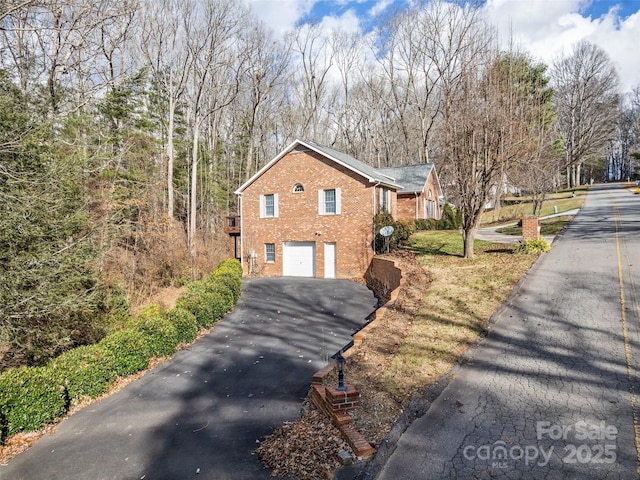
[(241, 229), (374, 216), (417, 206)]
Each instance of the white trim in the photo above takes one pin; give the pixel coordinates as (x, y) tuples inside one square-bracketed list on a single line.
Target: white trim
[(338, 201), (263, 206), (293, 145)]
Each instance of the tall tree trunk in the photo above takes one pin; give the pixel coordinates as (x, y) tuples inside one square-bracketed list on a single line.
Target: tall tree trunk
[(194, 189), (468, 236), (170, 157)]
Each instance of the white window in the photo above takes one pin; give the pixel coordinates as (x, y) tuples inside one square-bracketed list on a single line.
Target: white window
[(384, 201), (329, 202), (298, 188), (269, 252), (269, 205)]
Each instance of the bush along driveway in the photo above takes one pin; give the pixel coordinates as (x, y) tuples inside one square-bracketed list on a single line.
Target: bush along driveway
[(204, 411)]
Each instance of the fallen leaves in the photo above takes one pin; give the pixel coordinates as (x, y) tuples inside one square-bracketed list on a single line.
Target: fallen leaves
[(307, 449)]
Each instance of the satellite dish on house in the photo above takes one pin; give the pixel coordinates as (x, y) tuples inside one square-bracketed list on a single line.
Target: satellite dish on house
[(386, 231)]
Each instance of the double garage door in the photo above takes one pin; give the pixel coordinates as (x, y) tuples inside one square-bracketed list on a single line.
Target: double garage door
[(299, 259)]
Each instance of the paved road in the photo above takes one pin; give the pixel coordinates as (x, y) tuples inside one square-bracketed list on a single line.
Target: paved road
[(200, 414), (551, 393)]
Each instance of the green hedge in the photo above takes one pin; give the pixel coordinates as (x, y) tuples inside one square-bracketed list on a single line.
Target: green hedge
[(129, 350), (160, 337), (33, 396), (30, 398), (185, 324), (85, 371)]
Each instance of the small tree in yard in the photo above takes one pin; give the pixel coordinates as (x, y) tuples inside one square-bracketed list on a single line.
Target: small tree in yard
[(494, 116)]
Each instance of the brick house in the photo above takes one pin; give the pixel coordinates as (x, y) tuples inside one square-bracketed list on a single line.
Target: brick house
[(309, 212), (421, 194)]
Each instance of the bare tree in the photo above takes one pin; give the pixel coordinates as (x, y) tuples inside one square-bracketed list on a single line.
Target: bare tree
[(492, 121), (315, 59), (586, 98), (267, 63), (213, 81), (164, 48)]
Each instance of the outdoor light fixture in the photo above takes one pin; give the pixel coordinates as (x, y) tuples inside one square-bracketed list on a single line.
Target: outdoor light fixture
[(340, 359)]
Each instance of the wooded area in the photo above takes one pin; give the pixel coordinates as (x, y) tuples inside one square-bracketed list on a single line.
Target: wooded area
[(126, 126)]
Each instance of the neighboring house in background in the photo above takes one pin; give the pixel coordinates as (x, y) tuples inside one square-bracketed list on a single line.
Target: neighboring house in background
[(309, 212), (421, 195)]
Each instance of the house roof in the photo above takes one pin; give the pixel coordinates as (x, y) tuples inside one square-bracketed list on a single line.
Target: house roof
[(411, 177), (347, 161)]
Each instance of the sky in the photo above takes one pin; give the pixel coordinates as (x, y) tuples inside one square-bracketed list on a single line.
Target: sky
[(547, 29)]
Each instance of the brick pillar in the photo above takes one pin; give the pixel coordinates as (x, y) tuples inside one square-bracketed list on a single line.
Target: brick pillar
[(530, 228)]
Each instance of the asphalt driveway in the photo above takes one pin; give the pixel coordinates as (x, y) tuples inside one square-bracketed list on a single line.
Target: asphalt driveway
[(201, 414)]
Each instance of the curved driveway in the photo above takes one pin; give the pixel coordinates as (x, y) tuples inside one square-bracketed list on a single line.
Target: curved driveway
[(200, 414)]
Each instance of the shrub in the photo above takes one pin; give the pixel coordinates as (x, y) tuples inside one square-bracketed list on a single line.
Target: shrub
[(405, 227), (426, 223), (185, 324), (129, 350), (532, 246), (230, 281), (229, 272), (384, 219), (451, 218), (232, 265), (30, 398), (196, 300), (160, 338), (85, 371)]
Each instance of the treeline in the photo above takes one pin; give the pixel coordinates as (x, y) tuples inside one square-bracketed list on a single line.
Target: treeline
[(126, 126)]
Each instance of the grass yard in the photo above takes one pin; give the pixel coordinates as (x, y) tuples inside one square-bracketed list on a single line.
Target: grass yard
[(563, 201), (457, 306)]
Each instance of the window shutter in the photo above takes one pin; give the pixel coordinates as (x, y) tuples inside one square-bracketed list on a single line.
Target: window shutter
[(338, 201), (262, 207), (320, 202), (275, 205)]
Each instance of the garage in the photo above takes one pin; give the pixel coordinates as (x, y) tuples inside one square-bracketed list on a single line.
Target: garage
[(299, 259)]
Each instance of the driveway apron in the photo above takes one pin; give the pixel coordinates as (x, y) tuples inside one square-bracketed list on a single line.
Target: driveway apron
[(551, 393), (201, 414)]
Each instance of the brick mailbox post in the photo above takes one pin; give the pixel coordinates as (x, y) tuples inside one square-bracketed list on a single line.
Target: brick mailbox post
[(530, 228)]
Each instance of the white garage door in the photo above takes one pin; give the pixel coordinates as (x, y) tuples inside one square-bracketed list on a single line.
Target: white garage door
[(298, 259)]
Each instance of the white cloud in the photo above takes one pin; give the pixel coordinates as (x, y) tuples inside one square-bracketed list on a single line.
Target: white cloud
[(347, 22), (550, 28), (379, 7), (280, 15), (544, 28)]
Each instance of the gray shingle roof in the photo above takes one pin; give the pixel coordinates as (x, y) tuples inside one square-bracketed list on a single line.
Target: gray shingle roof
[(354, 164), (411, 177)]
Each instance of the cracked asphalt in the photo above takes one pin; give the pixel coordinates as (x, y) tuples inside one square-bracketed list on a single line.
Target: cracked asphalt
[(551, 392)]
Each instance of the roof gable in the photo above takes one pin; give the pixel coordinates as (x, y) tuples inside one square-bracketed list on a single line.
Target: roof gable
[(347, 161), (412, 177)]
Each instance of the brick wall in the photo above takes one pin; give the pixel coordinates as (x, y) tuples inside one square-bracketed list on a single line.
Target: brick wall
[(298, 219), (383, 277), (530, 228), (408, 208)]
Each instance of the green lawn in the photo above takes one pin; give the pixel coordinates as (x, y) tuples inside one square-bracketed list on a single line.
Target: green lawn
[(521, 206)]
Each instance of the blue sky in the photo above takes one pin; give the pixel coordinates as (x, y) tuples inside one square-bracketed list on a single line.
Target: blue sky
[(544, 28), (364, 8)]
